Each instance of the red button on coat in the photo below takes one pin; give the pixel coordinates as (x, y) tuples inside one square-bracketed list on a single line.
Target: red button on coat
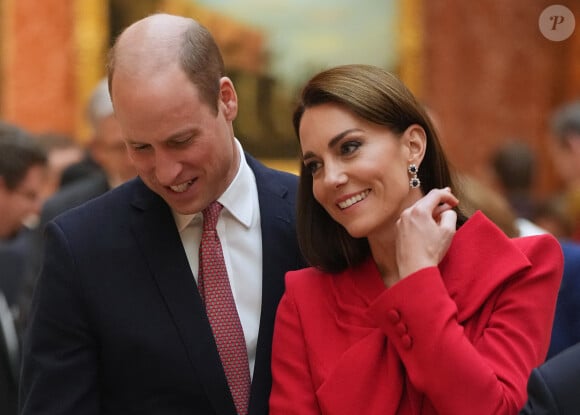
[(402, 329), (394, 316)]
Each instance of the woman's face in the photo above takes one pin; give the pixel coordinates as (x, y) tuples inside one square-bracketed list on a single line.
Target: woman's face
[(359, 169)]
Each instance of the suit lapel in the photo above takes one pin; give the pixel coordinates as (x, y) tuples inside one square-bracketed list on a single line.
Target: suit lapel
[(156, 233)]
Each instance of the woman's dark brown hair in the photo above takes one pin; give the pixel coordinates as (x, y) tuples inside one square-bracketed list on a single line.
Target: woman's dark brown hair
[(379, 97)]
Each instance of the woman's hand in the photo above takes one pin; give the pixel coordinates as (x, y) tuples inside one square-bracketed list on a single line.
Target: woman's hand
[(425, 231)]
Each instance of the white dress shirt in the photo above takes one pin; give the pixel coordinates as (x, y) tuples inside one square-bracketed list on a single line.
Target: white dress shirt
[(240, 235)]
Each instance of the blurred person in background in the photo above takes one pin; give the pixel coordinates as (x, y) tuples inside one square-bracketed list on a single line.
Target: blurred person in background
[(476, 195), (23, 170), (514, 170), (513, 167), (552, 215), (23, 167), (108, 151), (565, 150), (62, 152)]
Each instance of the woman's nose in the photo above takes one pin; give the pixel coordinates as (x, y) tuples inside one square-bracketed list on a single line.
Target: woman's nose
[(334, 174)]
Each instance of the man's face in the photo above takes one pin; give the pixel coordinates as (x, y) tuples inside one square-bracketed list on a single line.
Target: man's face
[(21, 203), (181, 148)]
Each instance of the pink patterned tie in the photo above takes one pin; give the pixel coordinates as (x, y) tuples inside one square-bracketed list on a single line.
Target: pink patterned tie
[(214, 287)]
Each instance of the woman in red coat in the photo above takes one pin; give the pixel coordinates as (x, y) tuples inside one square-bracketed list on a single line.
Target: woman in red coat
[(409, 307)]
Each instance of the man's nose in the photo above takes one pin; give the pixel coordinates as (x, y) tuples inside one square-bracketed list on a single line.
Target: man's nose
[(167, 168)]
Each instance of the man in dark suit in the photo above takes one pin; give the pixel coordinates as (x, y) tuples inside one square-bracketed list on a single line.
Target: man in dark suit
[(553, 387), (118, 325)]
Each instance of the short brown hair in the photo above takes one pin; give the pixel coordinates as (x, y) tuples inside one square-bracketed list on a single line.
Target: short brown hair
[(201, 59)]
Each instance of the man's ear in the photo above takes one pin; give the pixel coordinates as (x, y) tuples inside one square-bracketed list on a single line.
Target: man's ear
[(228, 98), (415, 139)]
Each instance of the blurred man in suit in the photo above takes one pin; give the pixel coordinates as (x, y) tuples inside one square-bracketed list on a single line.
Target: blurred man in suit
[(119, 324), (23, 164)]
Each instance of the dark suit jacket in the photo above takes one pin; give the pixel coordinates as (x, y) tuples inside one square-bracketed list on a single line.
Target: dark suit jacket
[(69, 196), (74, 194), (14, 262), (566, 329), (554, 387), (118, 326)]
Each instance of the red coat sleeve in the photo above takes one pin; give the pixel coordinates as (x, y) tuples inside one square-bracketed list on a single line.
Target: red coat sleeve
[(483, 371)]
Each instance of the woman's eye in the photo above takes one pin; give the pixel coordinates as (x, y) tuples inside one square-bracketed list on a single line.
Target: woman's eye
[(349, 147), (312, 166)]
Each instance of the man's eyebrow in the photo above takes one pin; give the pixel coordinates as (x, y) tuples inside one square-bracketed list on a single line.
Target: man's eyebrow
[(187, 132)]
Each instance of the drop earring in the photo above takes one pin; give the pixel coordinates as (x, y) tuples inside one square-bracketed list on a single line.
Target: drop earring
[(414, 181)]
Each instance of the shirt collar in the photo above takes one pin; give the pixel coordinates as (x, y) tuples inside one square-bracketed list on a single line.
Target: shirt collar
[(237, 199)]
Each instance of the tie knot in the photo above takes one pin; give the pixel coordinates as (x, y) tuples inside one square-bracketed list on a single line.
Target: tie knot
[(210, 216)]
